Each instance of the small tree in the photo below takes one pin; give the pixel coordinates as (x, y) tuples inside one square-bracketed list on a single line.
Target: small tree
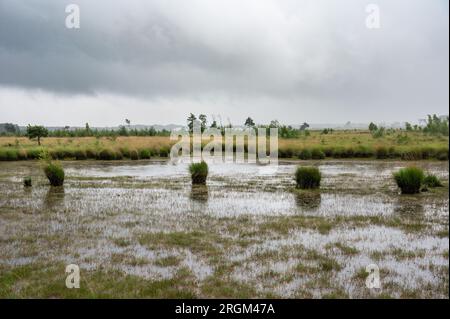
[(373, 127), (190, 122), (249, 122), (203, 122), (37, 132), (408, 126)]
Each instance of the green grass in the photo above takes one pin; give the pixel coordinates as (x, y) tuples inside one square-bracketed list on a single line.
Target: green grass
[(410, 179), (199, 172), (308, 177)]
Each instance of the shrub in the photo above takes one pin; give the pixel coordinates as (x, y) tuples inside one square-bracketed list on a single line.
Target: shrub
[(22, 155), (363, 152), (285, 152), (125, 152), (27, 181), (305, 154), (164, 152), (118, 155), (329, 151), (134, 155), (409, 179), (432, 181), (199, 172), (11, 155), (317, 154), (144, 154), (106, 155), (91, 154), (54, 173), (34, 153), (80, 155), (411, 155), (382, 152), (442, 155), (308, 177)]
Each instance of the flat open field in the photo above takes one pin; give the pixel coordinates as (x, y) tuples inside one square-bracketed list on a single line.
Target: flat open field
[(139, 229), (339, 144)]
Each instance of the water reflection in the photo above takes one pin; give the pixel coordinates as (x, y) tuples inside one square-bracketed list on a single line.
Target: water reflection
[(54, 198), (409, 207), (308, 199), (199, 193)]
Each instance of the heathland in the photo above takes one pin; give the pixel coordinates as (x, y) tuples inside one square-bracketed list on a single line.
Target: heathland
[(391, 144)]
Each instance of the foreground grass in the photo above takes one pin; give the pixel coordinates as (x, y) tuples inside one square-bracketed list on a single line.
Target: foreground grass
[(339, 144)]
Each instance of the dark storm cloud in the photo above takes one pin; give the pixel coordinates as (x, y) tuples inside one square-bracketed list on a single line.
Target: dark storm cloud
[(285, 51)]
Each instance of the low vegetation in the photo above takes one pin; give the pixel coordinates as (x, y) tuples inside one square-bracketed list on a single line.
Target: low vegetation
[(432, 181), (199, 172), (308, 177), (410, 179)]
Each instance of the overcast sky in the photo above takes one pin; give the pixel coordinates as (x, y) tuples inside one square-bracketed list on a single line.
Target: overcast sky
[(155, 61)]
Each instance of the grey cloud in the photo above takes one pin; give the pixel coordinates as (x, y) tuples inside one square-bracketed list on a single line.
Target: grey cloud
[(319, 51)]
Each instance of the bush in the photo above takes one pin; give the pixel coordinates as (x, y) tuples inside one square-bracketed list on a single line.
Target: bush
[(22, 155), (409, 179), (363, 152), (411, 155), (382, 152), (164, 152), (329, 151), (34, 153), (106, 155), (125, 152), (27, 181), (144, 154), (308, 177), (432, 181), (317, 154), (442, 155), (54, 173), (80, 155), (118, 155), (11, 155), (91, 154), (199, 172), (305, 154), (134, 155)]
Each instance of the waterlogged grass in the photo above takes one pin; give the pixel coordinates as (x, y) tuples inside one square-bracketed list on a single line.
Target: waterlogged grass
[(161, 239)]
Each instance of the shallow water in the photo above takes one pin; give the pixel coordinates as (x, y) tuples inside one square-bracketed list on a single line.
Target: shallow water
[(103, 202)]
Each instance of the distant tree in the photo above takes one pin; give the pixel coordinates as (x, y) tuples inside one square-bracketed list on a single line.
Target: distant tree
[(274, 124), (37, 132), (203, 122), (128, 122), (214, 124), (437, 125), (249, 122), (304, 126), (190, 122), (408, 126), (373, 127)]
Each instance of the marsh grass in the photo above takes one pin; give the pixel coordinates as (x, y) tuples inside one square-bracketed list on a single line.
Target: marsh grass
[(432, 181), (199, 172), (308, 177), (410, 179)]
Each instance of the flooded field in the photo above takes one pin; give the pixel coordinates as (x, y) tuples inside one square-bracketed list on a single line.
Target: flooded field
[(139, 229)]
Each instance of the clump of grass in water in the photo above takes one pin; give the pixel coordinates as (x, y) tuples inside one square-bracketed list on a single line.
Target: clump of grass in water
[(27, 181), (53, 170), (308, 177), (410, 179), (432, 181), (199, 172)]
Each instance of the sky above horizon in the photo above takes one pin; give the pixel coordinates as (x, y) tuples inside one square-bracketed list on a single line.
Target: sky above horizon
[(156, 61)]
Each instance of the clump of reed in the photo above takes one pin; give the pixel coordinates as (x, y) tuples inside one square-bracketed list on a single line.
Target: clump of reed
[(308, 177), (199, 172)]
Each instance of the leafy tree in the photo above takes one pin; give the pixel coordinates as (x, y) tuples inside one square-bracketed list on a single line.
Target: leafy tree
[(373, 127), (203, 122), (304, 126), (214, 124), (437, 125), (190, 122), (249, 122), (36, 131), (408, 126)]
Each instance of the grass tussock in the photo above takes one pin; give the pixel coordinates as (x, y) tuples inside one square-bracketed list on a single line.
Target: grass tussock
[(199, 172), (410, 179), (308, 177)]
